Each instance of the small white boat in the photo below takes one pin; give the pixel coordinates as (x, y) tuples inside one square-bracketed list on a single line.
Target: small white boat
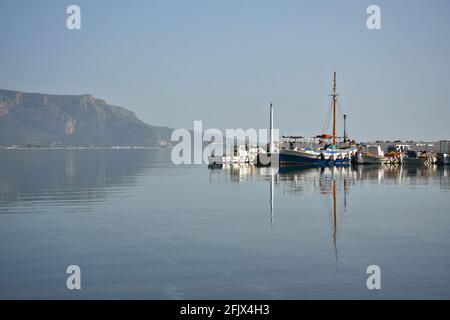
[(371, 155), (443, 158), (219, 159), (240, 154)]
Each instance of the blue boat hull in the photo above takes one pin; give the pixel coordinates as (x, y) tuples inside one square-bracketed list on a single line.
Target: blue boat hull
[(287, 159)]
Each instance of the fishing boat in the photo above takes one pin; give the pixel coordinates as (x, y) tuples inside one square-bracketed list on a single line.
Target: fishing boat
[(241, 154), (370, 155), (443, 157), (414, 158), (329, 154)]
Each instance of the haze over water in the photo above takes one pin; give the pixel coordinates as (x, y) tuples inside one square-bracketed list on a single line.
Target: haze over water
[(140, 227)]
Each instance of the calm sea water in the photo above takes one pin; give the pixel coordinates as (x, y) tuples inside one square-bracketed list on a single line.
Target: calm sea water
[(140, 227)]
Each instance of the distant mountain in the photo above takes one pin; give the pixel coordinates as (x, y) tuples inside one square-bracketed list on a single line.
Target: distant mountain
[(43, 119)]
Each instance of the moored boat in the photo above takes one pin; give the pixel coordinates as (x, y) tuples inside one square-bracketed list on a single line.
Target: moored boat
[(443, 158), (329, 154), (370, 155), (414, 158), (407, 161), (240, 154)]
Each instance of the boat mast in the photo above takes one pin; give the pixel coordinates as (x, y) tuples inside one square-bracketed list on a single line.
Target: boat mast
[(334, 95), (271, 146), (345, 128)]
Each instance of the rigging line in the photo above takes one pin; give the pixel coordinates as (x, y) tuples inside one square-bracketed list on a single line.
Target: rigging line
[(307, 124), (324, 125), (328, 117), (339, 108), (341, 116), (325, 122)]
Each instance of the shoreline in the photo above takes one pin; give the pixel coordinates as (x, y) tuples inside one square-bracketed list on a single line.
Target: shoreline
[(79, 148)]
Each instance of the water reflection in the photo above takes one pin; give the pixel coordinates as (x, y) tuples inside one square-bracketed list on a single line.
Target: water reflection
[(324, 181), (68, 176), (266, 233), (330, 182), (305, 179), (272, 197)]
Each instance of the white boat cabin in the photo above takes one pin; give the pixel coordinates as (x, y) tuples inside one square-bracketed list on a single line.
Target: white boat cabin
[(374, 151)]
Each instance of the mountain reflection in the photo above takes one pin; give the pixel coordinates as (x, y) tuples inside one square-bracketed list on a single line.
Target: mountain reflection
[(68, 175)]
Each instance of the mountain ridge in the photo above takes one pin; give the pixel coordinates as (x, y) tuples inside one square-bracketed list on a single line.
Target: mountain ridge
[(51, 119)]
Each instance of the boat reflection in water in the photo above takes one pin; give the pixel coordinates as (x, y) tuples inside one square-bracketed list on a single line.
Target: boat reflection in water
[(333, 183), (322, 180)]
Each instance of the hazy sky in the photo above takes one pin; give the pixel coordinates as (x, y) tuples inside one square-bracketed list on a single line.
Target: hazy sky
[(223, 61)]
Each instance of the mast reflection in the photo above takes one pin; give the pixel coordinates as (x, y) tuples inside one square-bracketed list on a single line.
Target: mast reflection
[(272, 196), (325, 181), (328, 181), (334, 219)]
